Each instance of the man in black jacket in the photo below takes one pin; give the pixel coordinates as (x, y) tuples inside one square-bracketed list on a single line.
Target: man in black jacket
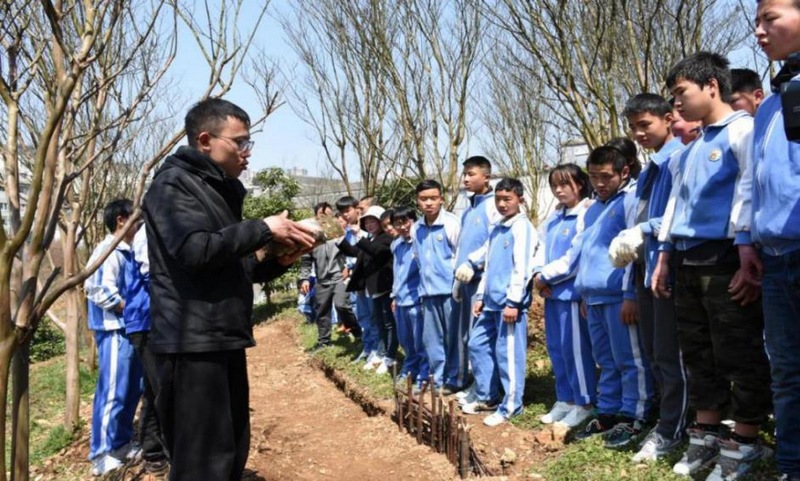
[(203, 262)]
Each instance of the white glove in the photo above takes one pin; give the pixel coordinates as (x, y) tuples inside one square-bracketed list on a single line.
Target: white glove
[(624, 248), (465, 273)]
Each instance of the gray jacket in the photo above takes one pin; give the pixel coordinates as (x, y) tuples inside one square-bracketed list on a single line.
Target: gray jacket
[(328, 262)]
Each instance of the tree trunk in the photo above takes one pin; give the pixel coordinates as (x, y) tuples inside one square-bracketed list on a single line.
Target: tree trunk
[(72, 409), (6, 351), (20, 417)]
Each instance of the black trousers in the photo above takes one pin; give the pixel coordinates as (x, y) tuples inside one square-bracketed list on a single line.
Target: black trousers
[(149, 427), (333, 295), (203, 403)]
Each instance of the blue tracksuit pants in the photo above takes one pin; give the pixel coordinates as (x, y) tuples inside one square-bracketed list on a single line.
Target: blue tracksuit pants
[(410, 325), (626, 385), (437, 312), (570, 350), (370, 337), (483, 356), (119, 387), (458, 337)]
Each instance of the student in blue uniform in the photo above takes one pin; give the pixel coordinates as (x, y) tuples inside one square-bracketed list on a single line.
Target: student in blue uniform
[(566, 330), (719, 317), (499, 338), (649, 118), (405, 297), (119, 373), (625, 385), (137, 326), (776, 225), (435, 237), (476, 223)]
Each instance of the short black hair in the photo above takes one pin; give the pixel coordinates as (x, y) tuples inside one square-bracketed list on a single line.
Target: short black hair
[(387, 214), (574, 173), (628, 149), (507, 184), (647, 103), (116, 208), (321, 206), (745, 80), (701, 68), (208, 115), (429, 184), (403, 212), (478, 161), (606, 154), (344, 202)]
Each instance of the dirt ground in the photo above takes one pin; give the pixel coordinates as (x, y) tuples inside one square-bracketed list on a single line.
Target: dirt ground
[(304, 428)]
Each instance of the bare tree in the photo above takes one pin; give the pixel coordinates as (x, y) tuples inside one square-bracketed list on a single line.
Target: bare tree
[(80, 85), (589, 57)]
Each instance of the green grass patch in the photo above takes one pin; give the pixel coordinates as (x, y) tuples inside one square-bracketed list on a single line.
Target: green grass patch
[(339, 356)]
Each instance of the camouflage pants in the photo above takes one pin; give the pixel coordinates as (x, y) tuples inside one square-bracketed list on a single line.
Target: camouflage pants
[(722, 344)]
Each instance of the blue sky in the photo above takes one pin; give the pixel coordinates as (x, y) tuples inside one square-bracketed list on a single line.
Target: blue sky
[(285, 140)]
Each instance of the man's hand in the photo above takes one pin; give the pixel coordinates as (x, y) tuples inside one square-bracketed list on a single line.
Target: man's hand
[(543, 289), (465, 273), (477, 307), (659, 284), (345, 273), (120, 307), (584, 310), (394, 306), (629, 313), (289, 233), (510, 315), (291, 258), (305, 287)]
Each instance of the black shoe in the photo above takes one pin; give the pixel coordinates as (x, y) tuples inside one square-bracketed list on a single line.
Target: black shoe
[(599, 425), (624, 434), (157, 467)]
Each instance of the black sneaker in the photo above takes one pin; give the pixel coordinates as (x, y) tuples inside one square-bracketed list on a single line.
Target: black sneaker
[(624, 434), (598, 425)]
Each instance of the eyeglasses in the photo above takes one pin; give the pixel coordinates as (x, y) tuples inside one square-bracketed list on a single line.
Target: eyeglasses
[(244, 145)]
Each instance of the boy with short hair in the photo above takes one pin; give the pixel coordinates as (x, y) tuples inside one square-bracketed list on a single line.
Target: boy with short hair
[(119, 371), (348, 208), (776, 227), (476, 223), (649, 118), (746, 90), (719, 318), (499, 339), (625, 388), (405, 297), (386, 223), (435, 237)]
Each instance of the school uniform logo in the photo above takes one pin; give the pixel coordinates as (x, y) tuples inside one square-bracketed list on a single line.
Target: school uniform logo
[(715, 155), (439, 237), (565, 231)]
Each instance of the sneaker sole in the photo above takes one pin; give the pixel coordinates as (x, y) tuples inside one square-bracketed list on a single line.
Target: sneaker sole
[(695, 470)]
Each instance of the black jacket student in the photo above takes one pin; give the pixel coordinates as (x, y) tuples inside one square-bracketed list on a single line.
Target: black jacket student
[(373, 273)]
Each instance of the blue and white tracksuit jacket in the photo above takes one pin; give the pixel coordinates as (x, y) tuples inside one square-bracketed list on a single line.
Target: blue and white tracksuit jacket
[(712, 187), (498, 349), (119, 375), (435, 249), (776, 193), (653, 189), (408, 310), (566, 330), (137, 281), (626, 385)]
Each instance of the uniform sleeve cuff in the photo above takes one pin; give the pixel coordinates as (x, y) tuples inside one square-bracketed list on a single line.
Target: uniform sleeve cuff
[(743, 238)]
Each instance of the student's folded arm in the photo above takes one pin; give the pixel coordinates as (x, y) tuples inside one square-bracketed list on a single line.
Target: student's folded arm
[(348, 249), (566, 266), (101, 287), (380, 249)]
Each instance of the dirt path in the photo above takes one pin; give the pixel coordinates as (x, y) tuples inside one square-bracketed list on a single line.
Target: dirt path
[(303, 428)]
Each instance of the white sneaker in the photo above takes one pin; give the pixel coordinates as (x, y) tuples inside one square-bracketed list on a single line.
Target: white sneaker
[(494, 419), (655, 447), (105, 463), (559, 412), (468, 399), (373, 361), (384, 366), (478, 407), (576, 416), (470, 391)]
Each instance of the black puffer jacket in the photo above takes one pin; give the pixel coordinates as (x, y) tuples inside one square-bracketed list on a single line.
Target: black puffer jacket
[(202, 266), (373, 270)]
